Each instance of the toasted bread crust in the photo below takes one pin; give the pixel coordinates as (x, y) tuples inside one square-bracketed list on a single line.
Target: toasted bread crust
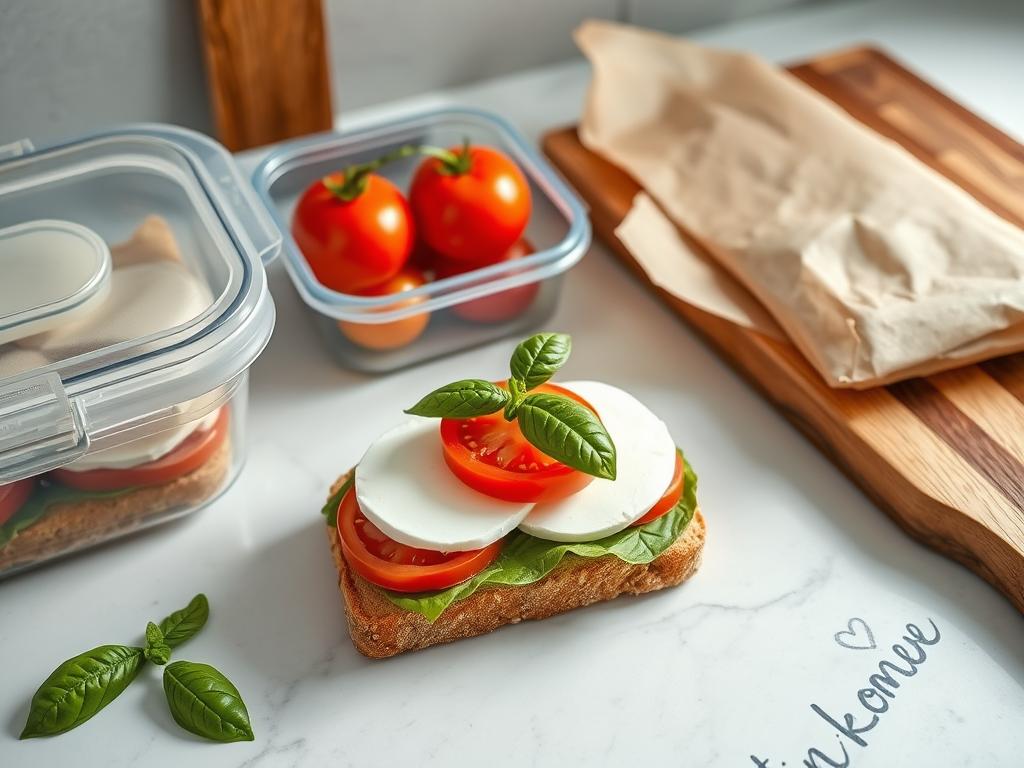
[(380, 629), (71, 526)]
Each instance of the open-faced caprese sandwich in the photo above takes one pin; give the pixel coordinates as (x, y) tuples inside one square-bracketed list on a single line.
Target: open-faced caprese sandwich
[(529, 499)]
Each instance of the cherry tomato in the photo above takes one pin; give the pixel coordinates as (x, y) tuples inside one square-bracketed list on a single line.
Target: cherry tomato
[(491, 455), (352, 245), (397, 333), (497, 307), (13, 496), (194, 451), (386, 563), (473, 210), (672, 495)]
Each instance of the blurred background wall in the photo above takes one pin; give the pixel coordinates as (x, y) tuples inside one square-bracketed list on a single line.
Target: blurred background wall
[(68, 66)]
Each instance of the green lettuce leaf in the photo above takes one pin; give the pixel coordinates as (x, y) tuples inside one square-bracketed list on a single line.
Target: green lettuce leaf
[(526, 559), (43, 497)]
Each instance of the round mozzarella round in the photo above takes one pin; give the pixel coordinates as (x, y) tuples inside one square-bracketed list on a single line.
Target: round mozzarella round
[(645, 461), (143, 450), (404, 487)]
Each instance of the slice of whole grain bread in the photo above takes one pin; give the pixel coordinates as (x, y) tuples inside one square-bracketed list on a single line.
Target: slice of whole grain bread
[(379, 628)]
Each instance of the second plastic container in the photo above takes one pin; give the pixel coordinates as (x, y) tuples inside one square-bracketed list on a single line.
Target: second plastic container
[(463, 310)]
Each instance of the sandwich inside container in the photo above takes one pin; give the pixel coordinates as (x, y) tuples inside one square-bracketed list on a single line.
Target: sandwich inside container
[(132, 303)]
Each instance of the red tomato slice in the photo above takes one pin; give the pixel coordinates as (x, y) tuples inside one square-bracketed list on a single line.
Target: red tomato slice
[(491, 455), (673, 494), (13, 495), (194, 451), (386, 563)]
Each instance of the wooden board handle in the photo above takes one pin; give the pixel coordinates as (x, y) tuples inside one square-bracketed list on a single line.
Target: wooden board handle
[(266, 63)]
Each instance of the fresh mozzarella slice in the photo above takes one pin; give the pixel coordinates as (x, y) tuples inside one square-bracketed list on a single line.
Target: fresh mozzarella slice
[(143, 450), (645, 459), (404, 488)]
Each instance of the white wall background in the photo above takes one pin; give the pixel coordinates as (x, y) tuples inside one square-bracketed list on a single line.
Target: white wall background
[(69, 66)]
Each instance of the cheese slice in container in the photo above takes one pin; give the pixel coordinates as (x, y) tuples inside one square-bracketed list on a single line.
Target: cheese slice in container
[(645, 459), (404, 487)]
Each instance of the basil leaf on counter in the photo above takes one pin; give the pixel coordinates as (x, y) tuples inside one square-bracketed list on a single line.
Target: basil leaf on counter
[(536, 360), (184, 624), (205, 703), (39, 503), (462, 400), (81, 687), (525, 559), (568, 432), (330, 509), (156, 650)]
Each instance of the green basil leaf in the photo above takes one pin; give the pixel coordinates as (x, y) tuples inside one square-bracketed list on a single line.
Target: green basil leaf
[(205, 703), (462, 400), (330, 509), (41, 501), (81, 687), (525, 559), (184, 624), (156, 650), (535, 360), (568, 432)]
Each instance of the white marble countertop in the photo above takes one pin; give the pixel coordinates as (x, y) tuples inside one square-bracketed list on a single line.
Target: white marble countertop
[(722, 669)]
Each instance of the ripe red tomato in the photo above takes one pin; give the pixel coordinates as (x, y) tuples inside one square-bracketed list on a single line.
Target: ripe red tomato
[(13, 496), (472, 209), (194, 451), (671, 497), (397, 333), (497, 307), (491, 455), (352, 245), (386, 563)]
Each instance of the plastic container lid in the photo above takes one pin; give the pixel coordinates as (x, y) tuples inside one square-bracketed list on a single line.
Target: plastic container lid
[(132, 292), (53, 271)]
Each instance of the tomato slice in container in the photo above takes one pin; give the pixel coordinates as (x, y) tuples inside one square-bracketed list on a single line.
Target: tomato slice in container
[(673, 494), (386, 563), (491, 455), (13, 496), (194, 451)]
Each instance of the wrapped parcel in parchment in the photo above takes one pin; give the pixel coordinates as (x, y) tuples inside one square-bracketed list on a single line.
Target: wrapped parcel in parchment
[(877, 267)]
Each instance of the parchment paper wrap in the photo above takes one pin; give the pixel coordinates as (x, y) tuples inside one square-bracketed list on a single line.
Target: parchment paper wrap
[(874, 265)]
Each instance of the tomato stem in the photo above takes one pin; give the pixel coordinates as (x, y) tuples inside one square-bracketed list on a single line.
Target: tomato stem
[(351, 182)]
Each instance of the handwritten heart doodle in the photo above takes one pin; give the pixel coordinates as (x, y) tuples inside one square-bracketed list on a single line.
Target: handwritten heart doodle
[(857, 636)]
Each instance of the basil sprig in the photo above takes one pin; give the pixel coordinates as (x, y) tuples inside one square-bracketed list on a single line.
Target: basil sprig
[(560, 427), (201, 699)]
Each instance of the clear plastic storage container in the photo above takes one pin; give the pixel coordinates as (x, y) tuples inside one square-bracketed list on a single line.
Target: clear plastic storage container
[(132, 303), (463, 310)]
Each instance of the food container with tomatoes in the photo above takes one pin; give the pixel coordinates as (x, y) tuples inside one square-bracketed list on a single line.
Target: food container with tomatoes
[(422, 236), (132, 303)]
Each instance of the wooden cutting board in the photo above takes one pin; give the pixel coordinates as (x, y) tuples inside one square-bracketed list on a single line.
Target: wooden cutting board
[(943, 455)]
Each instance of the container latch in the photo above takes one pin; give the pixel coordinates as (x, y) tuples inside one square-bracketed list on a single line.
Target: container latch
[(40, 427)]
